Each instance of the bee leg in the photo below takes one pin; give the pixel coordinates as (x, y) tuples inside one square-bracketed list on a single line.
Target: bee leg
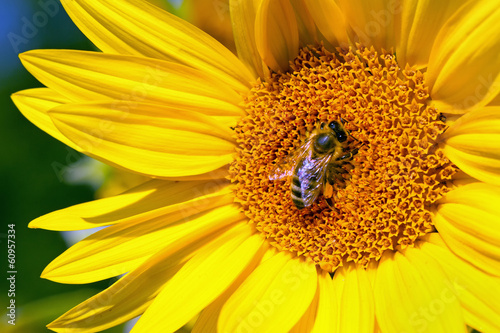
[(328, 195), (330, 174), (347, 156), (327, 190), (343, 121), (351, 135), (330, 204), (334, 174)]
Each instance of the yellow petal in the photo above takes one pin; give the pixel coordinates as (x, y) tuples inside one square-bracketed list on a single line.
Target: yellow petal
[(243, 22), (408, 291), (435, 280), (149, 139), (483, 199), (217, 174), (371, 272), (276, 33), (473, 144), (420, 24), (478, 293), (472, 251), (120, 248), (495, 101), (468, 219), (136, 27), (200, 281), (87, 76), (371, 22), (226, 121), (330, 21), (273, 298), (207, 321), (307, 321), (121, 301), (34, 104), (44, 309), (355, 299), (464, 67), (327, 312), (146, 201), (307, 28)]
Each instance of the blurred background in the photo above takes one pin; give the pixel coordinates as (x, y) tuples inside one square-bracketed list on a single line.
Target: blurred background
[(39, 174)]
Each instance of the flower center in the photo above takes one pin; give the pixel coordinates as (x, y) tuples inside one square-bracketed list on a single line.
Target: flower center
[(382, 196)]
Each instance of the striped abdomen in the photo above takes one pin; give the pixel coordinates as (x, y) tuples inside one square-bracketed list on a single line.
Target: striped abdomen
[(305, 186)]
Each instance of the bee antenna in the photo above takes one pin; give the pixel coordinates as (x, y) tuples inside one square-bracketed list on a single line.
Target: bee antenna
[(355, 138), (343, 121)]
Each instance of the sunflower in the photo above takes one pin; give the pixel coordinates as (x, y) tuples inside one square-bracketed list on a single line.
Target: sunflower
[(404, 239)]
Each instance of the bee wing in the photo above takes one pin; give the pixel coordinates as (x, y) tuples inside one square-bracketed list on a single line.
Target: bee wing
[(311, 178), (285, 167)]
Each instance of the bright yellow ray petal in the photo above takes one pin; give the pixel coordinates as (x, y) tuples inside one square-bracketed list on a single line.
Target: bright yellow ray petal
[(146, 201), (408, 292), (34, 104), (306, 322), (200, 281), (495, 101), (473, 142), (226, 121), (387, 293), (273, 298), (276, 33), (478, 292), (327, 312), (120, 248), (371, 272), (355, 299), (87, 76), (472, 250), (479, 210), (468, 219), (217, 174), (330, 21), (480, 167), (207, 321), (243, 22), (464, 67), (372, 21), (480, 317), (122, 301), (136, 27), (420, 24), (450, 317), (149, 139)]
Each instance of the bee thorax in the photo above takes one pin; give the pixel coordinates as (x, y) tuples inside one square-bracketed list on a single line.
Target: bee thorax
[(324, 143)]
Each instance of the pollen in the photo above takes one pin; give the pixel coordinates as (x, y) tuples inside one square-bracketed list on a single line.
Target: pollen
[(389, 189)]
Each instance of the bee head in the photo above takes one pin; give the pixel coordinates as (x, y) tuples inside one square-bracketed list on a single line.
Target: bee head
[(340, 132)]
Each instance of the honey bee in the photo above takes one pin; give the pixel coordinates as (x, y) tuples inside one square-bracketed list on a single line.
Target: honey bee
[(317, 161)]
